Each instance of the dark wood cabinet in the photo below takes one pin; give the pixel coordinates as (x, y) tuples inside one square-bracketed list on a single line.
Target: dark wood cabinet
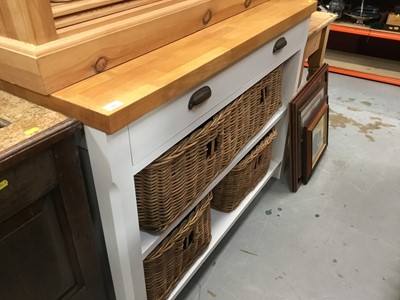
[(47, 244)]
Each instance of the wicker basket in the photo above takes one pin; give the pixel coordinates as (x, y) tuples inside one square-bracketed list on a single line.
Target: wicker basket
[(167, 263), (244, 176), (166, 187), (255, 107)]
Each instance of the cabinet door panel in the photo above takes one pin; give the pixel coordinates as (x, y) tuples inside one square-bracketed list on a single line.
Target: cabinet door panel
[(36, 255), (26, 182), (47, 248)]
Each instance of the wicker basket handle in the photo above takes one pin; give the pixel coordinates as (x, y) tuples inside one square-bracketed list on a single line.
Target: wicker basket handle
[(188, 240)]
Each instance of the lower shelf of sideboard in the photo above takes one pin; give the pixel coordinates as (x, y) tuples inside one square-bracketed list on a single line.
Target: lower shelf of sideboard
[(221, 223), (149, 241)]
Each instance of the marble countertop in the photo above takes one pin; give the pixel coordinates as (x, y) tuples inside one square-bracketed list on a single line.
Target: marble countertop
[(21, 119)]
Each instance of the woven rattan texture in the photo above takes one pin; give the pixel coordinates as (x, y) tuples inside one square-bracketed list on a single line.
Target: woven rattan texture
[(255, 107), (167, 263), (166, 187), (228, 194)]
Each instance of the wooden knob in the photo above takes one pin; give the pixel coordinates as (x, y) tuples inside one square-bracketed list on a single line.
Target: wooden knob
[(101, 64), (247, 3), (207, 17)]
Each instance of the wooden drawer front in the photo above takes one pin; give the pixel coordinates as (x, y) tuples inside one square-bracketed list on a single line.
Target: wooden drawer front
[(22, 184), (162, 128)]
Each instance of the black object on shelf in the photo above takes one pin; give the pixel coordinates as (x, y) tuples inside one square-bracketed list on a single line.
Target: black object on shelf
[(336, 6)]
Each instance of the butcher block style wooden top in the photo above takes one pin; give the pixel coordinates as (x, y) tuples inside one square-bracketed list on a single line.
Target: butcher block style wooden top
[(117, 97)]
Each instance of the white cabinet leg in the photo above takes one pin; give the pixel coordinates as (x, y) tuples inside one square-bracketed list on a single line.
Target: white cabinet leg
[(111, 163)]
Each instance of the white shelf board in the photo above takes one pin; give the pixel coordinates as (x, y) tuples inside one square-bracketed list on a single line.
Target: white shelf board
[(220, 225), (149, 241)]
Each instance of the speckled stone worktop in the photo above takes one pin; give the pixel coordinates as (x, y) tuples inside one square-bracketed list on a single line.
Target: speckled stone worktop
[(26, 119)]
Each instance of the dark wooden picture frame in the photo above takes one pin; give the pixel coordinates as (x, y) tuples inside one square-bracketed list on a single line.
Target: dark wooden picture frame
[(315, 141), (302, 109)]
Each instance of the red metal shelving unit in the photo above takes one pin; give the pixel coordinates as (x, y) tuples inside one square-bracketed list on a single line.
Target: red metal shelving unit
[(353, 29), (367, 68)]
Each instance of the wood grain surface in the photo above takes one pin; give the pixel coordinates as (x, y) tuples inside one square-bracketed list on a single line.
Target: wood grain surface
[(30, 21), (147, 82), (88, 47), (320, 20)]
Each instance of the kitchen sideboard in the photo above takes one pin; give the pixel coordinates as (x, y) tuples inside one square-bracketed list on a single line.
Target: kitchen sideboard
[(137, 111)]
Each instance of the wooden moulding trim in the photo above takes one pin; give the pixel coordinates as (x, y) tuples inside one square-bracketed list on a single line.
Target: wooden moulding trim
[(18, 47), (369, 76), (19, 65)]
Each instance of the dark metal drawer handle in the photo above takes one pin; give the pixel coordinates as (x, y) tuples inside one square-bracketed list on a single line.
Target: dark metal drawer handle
[(199, 96), (279, 44)]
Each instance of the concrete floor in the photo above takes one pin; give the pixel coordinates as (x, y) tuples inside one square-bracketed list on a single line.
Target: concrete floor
[(338, 237)]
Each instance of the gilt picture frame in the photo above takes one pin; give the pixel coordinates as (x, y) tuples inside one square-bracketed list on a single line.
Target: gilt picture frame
[(315, 141)]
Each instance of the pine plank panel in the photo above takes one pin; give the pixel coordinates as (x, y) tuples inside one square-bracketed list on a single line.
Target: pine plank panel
[(27, 20), (109, 15), (62, 9), (116, 10)]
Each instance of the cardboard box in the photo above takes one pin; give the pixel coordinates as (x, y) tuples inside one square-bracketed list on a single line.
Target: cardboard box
[(393, 19)]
